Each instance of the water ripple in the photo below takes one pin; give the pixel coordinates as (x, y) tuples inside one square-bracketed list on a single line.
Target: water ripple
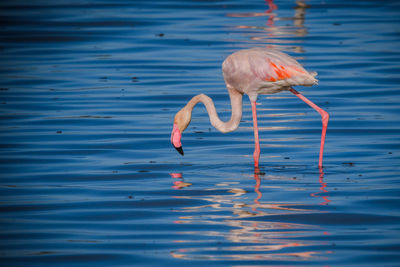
[(88, 92)]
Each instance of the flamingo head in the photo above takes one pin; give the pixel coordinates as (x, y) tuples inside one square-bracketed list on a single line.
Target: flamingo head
[(181, 122)]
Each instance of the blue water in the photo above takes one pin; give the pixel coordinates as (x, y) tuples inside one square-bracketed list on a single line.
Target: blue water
[(88, 92)]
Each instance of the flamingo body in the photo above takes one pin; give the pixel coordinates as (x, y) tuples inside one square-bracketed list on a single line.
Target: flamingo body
[(264, 71), (252, 71)]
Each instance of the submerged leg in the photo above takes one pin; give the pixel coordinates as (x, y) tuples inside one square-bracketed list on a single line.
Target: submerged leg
[(256, 154), (325, 119)]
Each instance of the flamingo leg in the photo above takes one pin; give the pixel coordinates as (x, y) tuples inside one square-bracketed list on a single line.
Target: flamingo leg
[(325, 119), (256, 154)]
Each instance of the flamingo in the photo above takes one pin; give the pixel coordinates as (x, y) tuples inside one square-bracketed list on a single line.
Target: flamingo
[(252, 71)]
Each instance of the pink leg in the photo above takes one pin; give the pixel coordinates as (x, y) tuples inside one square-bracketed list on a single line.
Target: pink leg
[(256, 154), (325, 119)]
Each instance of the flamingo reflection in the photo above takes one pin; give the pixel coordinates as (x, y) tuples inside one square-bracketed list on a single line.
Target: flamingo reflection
[(272, 33), (271, 15), (179, 184), (250, 238), (322, 188)]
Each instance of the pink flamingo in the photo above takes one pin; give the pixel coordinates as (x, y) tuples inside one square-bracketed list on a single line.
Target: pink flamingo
[(252, 71)]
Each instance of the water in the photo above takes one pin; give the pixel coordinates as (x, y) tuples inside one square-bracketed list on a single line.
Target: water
[(88, 92)]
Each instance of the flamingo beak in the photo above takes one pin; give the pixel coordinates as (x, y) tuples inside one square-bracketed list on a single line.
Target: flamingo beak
[(176, 139), (180, 150)]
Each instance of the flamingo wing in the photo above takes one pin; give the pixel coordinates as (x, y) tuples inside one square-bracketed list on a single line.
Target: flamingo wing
[(273, 66)]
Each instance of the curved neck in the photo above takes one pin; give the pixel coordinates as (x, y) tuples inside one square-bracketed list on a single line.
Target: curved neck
[(236, 105)]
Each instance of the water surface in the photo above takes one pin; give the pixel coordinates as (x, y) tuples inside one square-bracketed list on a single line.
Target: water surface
[(88, 92)]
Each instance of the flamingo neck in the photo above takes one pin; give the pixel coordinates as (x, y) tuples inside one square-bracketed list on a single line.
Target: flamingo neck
[(236, 105)]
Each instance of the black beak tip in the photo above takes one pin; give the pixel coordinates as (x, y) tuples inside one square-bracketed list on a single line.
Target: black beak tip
[(180, 150)]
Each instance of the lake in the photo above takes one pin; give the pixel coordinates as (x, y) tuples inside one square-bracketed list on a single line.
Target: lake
[(88, 93)]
